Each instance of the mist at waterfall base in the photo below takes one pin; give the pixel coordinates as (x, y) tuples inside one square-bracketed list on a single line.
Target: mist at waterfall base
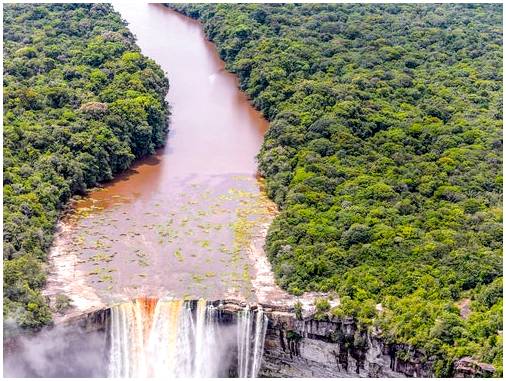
[(56, 352), (148, 338)]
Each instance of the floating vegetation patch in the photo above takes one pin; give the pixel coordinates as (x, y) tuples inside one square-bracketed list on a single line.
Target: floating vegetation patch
[(204, 243), (213, 227), (102, 274), (179, 255), (143, 263), (101, 257)]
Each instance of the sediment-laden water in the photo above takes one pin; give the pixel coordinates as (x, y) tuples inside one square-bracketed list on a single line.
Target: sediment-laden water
[(178, 223)]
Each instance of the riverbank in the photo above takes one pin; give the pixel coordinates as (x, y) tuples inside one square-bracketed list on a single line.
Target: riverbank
[(189, 222)]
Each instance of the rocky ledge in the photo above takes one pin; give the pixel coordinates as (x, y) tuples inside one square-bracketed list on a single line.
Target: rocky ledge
[(468, 367), (334, 348), (305, 347), (338, 348)]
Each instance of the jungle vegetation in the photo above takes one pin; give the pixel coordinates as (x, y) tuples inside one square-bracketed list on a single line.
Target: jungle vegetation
[(80, 104), (384, 155)]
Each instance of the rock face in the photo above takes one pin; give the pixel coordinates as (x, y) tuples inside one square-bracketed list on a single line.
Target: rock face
[(293, 348), (333, 348), (468, 367)]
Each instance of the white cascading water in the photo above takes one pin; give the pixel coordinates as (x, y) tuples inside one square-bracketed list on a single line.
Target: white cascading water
[(249, 352), (150, 338)]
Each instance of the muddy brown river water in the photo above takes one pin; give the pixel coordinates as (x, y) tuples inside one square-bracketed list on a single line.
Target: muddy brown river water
[(182, 222)]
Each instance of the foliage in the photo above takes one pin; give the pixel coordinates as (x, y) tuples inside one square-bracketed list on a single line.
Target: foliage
[(364, 311), (297, 307), (322, 306), (384, 154), (293, 336), (62, 303), (80, 104)]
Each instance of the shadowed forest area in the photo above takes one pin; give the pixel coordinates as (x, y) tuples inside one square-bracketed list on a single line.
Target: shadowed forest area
[(385, 157)]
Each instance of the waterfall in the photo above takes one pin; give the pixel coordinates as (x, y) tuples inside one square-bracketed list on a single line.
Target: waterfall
[(250, 325), (130, 322), (207, 359), (175, 338)]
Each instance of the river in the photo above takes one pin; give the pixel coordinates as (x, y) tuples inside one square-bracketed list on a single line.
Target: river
[(171, 251), (180, 223)]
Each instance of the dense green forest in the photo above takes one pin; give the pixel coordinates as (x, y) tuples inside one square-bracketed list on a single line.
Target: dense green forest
[(80, 104), (384, 155)]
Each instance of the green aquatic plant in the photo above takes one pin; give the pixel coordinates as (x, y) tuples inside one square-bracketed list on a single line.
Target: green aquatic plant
[(204, 243)]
